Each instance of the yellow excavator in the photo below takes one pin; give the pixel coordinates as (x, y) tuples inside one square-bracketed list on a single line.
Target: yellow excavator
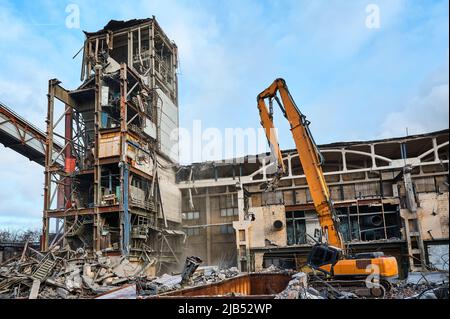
[(330, 257)]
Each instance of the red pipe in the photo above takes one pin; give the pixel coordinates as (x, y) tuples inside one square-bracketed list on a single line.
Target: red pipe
[(69, 164)]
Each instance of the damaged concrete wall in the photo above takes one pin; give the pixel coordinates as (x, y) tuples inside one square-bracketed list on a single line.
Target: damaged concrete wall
[(207, 219), (433, 215), (438, 256), (263, 232), (170, 193), (168, 125), (312, 223)]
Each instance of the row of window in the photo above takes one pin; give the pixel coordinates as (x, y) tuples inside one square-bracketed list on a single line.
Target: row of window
[(190, 215), (233, 211), (224, 212), (196, 231)]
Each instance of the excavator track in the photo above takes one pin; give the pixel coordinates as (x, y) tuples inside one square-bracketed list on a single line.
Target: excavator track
[(359, 287)]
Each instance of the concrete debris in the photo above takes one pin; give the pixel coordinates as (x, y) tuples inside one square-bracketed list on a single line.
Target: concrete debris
[(297, 288), (190, 267), (214, 276), (300, 288), (64, 274), (419, 292), (273, 269), (202, 276), (167, 282), (422, 285), (431, 277), (207, 270)]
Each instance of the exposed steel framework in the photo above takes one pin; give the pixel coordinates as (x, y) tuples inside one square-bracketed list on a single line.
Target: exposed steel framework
[(104, 194), (23, 137)]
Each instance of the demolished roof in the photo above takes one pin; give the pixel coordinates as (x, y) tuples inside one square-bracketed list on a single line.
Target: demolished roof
[(227, 161), (114, 25)]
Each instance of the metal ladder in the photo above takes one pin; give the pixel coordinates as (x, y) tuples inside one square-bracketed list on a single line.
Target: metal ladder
[(44, 268), (416, 249)]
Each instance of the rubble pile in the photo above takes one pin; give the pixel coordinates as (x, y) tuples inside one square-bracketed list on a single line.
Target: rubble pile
[(421, 285), (214, 275), (275, 269), (402, 291), (298, 288), (429, 286), (203, 276), (422, 291), (63, 274)]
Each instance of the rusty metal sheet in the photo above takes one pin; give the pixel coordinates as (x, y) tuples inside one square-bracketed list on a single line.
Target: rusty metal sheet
[(247, 285)]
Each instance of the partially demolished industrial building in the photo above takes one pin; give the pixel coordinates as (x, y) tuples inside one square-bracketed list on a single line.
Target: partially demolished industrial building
[(118, 164), (113, 184)]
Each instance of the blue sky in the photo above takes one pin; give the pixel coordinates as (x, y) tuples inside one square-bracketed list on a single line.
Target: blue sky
[(352, 82)]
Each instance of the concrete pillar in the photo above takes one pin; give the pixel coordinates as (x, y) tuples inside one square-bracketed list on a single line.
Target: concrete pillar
[(344, 161), (208, 229), (435, 149), (243, 225), (264, 169), (259, 258), (372, 155), (289, 165)]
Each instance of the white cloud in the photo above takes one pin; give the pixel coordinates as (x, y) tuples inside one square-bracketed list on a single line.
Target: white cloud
[(21, 189), (30, 57), (427, 111), (10, 27), (338, 28)]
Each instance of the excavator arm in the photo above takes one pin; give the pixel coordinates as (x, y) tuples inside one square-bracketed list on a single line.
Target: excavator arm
[(309, 155), (267, 123)]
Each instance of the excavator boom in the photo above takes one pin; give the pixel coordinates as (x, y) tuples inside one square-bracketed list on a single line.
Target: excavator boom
[(309, 155)]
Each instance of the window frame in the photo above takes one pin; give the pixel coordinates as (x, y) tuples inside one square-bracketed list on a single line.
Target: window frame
[(226, 208), (190, 215)]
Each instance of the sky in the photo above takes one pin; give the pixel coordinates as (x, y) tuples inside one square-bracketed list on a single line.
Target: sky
[(353, 82)]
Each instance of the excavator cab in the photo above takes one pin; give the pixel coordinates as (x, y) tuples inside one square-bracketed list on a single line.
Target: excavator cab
[(323, 254)]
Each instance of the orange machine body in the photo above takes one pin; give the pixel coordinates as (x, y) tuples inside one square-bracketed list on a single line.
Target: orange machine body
[(386, 267)]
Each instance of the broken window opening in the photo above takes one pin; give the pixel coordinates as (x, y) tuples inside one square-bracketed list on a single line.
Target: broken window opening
[(296, 228)]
